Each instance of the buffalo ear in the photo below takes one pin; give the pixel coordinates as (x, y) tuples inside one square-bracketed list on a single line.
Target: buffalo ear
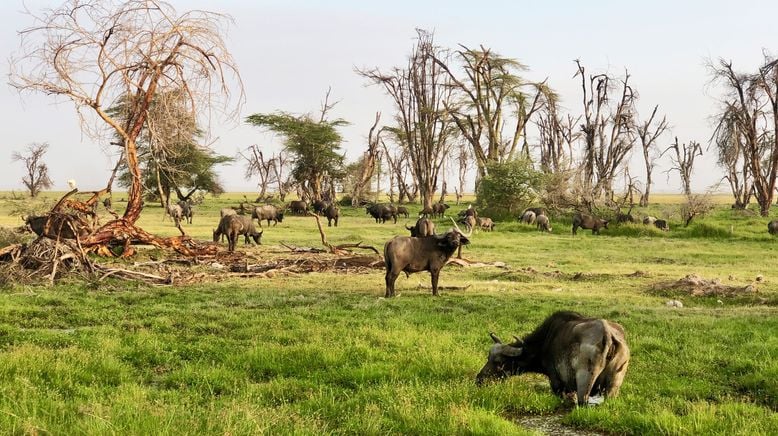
[(510, 351)]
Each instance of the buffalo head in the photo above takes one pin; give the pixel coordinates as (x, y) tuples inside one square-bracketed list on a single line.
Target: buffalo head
[(504, 360), (258, 237)]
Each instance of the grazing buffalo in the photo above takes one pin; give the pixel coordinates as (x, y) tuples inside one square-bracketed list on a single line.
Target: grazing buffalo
[(423, 227), (427, 211), (176, 213), (233, 226), (187, 210), (486, 224), (430, 253), (382, 212), (772, 227), (543, 223), (402, 210), (585, 356), (662, 225), (538, 211), (268, 212), (227, 211), (439, 209), (588, 222), (332, 212), (298, 207), (625, 218), (319, 206), (649, 220), (528, 217)]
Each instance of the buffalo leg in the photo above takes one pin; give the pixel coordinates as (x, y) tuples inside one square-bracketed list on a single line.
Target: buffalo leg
[(575, 230), (391, 277), (435, 275)]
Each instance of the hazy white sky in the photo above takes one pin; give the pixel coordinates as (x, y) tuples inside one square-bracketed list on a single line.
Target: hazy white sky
[(290, 52)]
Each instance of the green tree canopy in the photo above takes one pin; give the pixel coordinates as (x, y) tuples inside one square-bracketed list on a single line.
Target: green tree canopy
[(314, 145), (508, 188)]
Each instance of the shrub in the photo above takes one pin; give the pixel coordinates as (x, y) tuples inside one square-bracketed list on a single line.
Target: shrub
[(508, 188)]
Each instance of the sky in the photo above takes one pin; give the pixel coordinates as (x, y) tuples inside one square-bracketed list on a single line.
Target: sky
[(290, 52)]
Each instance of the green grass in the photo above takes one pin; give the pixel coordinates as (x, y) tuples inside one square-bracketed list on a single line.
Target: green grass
[(324, 353)]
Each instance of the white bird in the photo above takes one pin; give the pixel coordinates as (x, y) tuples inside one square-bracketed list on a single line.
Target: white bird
[(72, 184)]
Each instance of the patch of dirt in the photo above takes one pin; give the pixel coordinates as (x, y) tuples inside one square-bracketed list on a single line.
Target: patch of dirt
[(552, 425), (697, 286)]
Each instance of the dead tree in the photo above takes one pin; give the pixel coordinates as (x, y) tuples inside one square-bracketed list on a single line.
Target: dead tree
[(369, 161), (258, 166), (421, 92), (96, 52), (557, 135), (37, 177), (648, 132), (751, 102), (493, 95), (729, 142), (608, 129), (683, 161), (463, 159)]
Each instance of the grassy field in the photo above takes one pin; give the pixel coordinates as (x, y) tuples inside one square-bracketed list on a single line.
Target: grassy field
[(324, 353)]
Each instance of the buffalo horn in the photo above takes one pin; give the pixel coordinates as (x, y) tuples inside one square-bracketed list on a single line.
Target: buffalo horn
[(495, 338), (507, 350), (467, 235)]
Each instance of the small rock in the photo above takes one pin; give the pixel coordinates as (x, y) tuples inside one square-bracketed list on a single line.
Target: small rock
[(674, 303), (760, 278), (750, 288), (270, 274), (500, 264), (731, 277), (217, 265)]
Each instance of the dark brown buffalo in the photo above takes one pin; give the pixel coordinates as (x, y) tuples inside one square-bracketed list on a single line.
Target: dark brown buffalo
[(402, 210), (588, 222), (298, 207), (319, 206), (662, 225), (233, 226), (382, 212), (584, 356), (332, 212), (772, 227), (430, 253), (439, 209), (268, 212), (423, 227)]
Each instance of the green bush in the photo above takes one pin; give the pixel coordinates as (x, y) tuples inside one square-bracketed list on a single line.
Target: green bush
[(508, 188)]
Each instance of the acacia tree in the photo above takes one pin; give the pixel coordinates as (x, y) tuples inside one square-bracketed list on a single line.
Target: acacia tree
[(648, 132), (490, 96), (36, 178), (750, 103), (609, 130), (95, 52), (314, 144), (421, 93)]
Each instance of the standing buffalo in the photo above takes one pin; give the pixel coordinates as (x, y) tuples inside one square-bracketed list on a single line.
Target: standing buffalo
[(538, 211), (543, 223), (528, 217), (423, 227), (439, 209), (227, 211), (332, 213), (772, 227), (588, 222), (187, 210), (408, 254), (268, 212), (486, 224), (175, 212), (662, 225), (233, 226), (299, 207), (579, 355), (402, 210), (382, 212), (319, 206)]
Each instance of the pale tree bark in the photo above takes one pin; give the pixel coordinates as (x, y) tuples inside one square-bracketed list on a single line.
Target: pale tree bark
[(729, 143), (421, 93), (608, 129), (683, 161), (492, 97), (648, 133), (368, 162)]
